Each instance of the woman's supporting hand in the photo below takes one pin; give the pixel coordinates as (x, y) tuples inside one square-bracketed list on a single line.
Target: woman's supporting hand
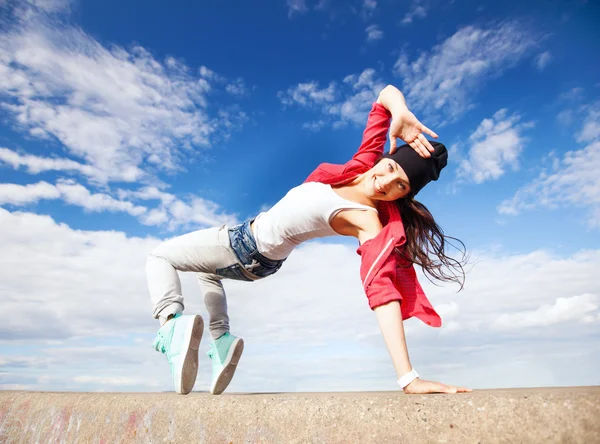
[(404, 123), (421, 387)]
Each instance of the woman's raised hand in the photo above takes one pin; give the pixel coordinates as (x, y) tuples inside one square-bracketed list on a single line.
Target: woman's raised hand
[(420, 387), (408, 128)]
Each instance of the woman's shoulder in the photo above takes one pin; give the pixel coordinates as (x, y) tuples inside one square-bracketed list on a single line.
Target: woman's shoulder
[(369, 226), (364, 225)]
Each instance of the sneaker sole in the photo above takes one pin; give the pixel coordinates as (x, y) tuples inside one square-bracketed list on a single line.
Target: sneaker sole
[(189, 368), (233, 357)]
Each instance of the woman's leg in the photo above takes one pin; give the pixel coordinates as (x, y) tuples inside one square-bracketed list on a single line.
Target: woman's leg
[(216, 303), (203, 252)]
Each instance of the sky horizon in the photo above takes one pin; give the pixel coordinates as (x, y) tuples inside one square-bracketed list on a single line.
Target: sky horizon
[(127, 123)]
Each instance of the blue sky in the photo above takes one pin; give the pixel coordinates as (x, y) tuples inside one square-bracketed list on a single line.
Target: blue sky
[(124, 123)]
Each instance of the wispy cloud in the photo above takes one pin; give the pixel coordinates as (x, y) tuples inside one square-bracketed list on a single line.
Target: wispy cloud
[(308, 94), (543, 60), (70, 192), (571, 181), (374, 33), (14, 194), (368, 9), (443, 82), (495, 146), (119, 111), (37, 164), (172, 213), (176, 213), (314, 126), (370, 4), (340, 103), (418, 10), (575, 308), (49, 6), (237, 87), (296, 7)]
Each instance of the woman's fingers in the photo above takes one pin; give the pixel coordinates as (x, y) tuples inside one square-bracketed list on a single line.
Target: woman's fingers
[(449, 389), (392, 144), (453, 389), (419, 386), (417, 148), (428, 131), (421, 148), (425, 142)]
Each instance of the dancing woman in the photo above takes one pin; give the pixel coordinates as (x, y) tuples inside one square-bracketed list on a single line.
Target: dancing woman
[(371, 197)]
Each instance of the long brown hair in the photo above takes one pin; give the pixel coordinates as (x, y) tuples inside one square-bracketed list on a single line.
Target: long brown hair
[(426, 244)]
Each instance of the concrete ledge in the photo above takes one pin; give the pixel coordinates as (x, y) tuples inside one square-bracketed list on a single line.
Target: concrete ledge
[(562, 415)]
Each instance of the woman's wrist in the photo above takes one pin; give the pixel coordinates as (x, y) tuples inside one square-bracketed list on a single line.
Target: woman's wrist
[(392, 99), (406, 379)]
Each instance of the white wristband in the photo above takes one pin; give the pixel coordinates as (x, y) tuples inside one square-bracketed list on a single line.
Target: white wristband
[(408, 378)]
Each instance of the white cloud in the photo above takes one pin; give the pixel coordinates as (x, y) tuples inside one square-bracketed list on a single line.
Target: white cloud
[(38, 164), (418, 10), (314, 126), (51, 5), (495, 145), (76, 194), (591, 126), (571, 181), (67, 190), (573, 95), (14, 194), (308, 94), (374, 33), (76, 283), (173, 213), (542, 60), (177, 213), (296, 7), (237, 87), (575, 308), (341, 103), (114, 109), (209, 74), (370, 4), (356, 103), (443, 82), (66, 284)]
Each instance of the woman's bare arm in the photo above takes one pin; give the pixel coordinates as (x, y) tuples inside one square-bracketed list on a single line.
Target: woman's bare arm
[(393, 100)]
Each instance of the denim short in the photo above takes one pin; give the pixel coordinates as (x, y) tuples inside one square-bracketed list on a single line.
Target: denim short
[(256, 266)]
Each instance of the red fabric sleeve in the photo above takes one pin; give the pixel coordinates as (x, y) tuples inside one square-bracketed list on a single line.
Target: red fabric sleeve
[(374, 136), (394, 281), (378, 270), (382, 290)]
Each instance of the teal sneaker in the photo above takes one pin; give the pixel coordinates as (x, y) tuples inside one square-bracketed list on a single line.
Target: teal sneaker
[(179, 339), (225, 353)]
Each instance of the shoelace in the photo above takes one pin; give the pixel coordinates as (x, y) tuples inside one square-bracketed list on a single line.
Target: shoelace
[(213, 352), (159, 345)]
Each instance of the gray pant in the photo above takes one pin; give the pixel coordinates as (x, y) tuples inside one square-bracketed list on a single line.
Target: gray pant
[(203, 252), (213, 254)]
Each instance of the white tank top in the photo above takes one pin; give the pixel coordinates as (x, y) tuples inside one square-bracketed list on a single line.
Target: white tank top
[(304, 213)]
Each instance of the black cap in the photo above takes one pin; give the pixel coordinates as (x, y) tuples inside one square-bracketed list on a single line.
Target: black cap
[(420, 170)]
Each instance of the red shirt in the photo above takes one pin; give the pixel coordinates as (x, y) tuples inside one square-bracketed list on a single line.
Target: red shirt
[(384, 276)]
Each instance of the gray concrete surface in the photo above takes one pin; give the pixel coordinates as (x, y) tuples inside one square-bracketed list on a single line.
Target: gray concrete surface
[(552, 415)]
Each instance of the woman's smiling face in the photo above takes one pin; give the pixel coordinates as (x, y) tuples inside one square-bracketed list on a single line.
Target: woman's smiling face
[(386, 181)]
